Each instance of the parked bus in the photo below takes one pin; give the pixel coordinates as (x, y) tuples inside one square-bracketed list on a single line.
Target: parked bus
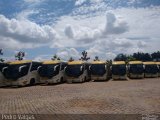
[(52, 72), (158, 63), (99, 70), (119, 70), (135, 69), (2, 78), (151, 69), (77, 71), (21, 73)]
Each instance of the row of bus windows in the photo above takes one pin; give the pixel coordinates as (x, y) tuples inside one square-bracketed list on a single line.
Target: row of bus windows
[(15, 71)]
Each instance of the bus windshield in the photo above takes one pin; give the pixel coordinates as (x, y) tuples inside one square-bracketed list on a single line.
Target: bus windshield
[(15, 71), (49, 70), (151, 69), (119, 69), (98, 69), (74, 70), (136, 68)]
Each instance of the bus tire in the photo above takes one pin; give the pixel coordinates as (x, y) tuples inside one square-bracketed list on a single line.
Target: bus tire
[(32, 82)]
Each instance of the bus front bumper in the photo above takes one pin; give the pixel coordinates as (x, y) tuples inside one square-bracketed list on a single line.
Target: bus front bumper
[(118, 77), (131, 75), (94, 77), (150, 75)]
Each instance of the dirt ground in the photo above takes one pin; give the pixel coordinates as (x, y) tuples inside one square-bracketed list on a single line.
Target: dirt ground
[(111, 97)]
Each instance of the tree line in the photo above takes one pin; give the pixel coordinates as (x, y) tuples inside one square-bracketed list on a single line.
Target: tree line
[(155, 56)]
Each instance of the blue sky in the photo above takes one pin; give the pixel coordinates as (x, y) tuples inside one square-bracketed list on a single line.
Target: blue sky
[(43, 28)]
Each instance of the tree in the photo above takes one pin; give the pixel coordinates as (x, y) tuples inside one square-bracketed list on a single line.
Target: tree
[(71, 59), (84, 56), (96, 58), (1, 53), (156, 56), (20, 55), (120, 57), (142, 56), (55, 57)]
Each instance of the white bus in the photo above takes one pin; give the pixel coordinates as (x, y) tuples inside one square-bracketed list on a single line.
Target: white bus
[(151, 69), (158, 63), (77, 71), (52, 72), (99, 70), (119, 70), (2, 78), (21, 73), (135, 69)]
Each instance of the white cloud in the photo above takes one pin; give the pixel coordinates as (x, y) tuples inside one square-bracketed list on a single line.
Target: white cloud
[(80, 2), (25, 32), (66, 53)]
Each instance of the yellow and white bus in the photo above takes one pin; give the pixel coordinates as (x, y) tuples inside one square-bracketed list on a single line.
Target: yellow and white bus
[(119, 70), (2, 78), (135, 69), (151, 69), (52, 72), (77, 71), (21, 73), (158, 63), (99, 70)]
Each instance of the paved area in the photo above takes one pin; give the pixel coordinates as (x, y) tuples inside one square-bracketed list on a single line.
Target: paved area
[(129, 97)]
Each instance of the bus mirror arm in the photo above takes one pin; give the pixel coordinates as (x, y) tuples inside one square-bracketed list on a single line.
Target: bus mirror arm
[(65, 68), (4, 69), (55, 67), (39, 68), (89, 67), (20, 68), (105, 67), (81, 68)]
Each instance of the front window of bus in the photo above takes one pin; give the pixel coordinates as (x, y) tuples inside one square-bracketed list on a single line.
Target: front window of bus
[(49, 70), (98, 69), (74, 70), (136, 68), (119, 69), (15, 71), (151, 69)]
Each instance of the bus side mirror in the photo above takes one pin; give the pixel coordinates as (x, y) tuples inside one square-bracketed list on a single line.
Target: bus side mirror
[(20, 68), (4, 69), (39, 68)]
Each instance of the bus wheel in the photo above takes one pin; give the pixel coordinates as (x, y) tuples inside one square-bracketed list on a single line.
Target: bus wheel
[(61, 80), (32, 81)]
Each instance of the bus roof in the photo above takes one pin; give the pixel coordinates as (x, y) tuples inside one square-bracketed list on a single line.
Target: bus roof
[(19, 62), (76, 62), (135, 62), (149, 63), (98, 62), (158, 63), (51, 62), (118, 62)]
